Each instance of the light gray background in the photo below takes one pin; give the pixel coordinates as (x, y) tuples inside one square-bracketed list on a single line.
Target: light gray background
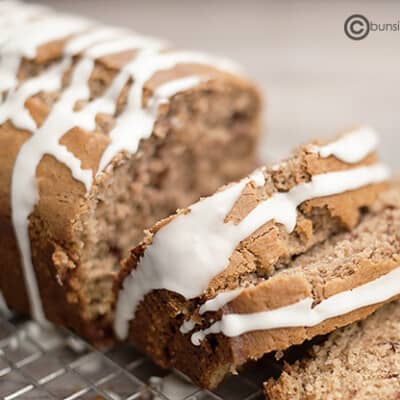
[(315, 80)]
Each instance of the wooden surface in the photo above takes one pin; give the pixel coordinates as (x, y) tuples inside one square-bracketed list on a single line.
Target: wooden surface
[(316, 80)]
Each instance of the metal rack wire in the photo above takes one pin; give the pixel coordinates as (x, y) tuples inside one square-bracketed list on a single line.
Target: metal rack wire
[(49, 363)]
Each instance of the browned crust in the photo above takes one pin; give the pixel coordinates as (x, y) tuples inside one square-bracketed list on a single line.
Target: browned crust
[(358, 361), (218, 355), (343, 208), (56, 222), (161, 313), (287, 290)]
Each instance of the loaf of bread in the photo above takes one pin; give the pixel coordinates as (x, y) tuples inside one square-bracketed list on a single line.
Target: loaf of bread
[(291, 252), (103, 132), (359, 362)]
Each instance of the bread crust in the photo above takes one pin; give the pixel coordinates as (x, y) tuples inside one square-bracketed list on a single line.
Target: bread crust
[(359, 361), (58, 226), (259, 263)]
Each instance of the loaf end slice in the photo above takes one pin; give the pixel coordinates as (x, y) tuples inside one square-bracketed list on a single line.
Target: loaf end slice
[(81, 179), (359, 362)]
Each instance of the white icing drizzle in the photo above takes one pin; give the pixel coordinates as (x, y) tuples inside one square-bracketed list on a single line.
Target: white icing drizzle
[(45, 140), (352, 147), (219, 301), (15, 12), (213, 304), (203, 237), (13, 9), (258, 177), (11, 17), (282, 207), (32, 34), (187, 326), (89, 39), (303, 313), (93, 41), (25, 35), (8, 72), (142, 118), (13, 108), (169, 89), (145, 117), (142, 68)]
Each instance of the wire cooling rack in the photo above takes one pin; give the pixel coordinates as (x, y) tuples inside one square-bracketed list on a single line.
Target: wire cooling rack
[(49, 363)]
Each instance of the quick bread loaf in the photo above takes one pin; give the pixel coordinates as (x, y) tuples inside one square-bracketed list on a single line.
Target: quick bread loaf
[(265, 263), (103, 132)]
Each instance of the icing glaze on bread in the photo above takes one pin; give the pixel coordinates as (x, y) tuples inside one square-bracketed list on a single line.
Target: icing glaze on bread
[(202, 237), (61, 74), (217, 300)]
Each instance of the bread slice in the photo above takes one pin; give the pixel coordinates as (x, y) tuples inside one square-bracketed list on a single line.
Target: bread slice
[(358, 362), (193, 295), (102, 133)]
